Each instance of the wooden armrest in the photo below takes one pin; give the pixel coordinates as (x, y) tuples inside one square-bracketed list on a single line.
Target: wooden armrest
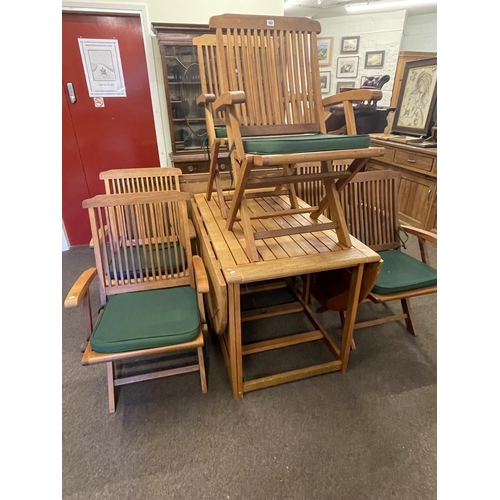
[(191, 230), (204, 99), (200, 275), (228, 99), (102, 231), (80, 288), (353, 95), (420, 233)]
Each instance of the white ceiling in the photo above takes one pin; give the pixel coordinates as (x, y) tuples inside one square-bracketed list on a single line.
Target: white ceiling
[(317, 9)]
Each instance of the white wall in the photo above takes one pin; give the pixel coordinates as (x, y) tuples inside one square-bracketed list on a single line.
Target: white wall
[(420, 33), (199, 11), (389, 31), (383, 31)]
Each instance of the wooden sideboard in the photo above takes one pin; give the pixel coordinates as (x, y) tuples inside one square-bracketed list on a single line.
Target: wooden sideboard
[(418, 188)]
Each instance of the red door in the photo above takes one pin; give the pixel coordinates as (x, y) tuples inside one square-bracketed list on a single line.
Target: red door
[(119, 135)]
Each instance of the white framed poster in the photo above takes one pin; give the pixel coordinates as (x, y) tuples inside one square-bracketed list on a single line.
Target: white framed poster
[(103, 67)]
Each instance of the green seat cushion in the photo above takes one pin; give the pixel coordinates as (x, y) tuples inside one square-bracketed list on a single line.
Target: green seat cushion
[(220, 132), (304, 143), (401, 272), (167, 253), (152, 318)]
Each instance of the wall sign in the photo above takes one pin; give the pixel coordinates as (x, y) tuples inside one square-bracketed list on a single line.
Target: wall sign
[(103, 67)]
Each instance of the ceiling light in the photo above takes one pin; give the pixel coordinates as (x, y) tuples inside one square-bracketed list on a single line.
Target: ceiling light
[(371, 6)]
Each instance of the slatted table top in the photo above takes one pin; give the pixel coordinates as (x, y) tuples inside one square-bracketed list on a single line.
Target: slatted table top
[(282, 256)]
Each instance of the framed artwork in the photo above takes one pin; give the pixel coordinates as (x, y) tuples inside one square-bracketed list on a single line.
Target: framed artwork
[(325, 79), (350, 45), (345, 84), (417, 98), (375, 59), (347, 67), (325, 46)]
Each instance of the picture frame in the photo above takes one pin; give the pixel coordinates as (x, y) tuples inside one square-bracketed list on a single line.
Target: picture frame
[(325, 78), (417, 98), (349, 45), (374, 59), (345, 84), (325, 46), (347, 67)]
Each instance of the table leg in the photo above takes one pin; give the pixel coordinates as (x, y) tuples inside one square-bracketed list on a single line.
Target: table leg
[(234, 339), (350, 314)]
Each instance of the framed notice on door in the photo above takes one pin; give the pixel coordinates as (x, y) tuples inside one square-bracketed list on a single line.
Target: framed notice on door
[(103, 67)]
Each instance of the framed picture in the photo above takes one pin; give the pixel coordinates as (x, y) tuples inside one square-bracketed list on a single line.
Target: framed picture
[(325, 51), (375, 59), (347, 67), (350, 45), (345, 84), (325, 79), (417, 98)]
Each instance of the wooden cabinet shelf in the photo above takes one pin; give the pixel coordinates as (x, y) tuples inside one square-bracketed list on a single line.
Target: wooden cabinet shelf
[(417, 192)]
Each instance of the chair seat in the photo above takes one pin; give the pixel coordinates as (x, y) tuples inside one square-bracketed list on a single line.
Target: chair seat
[(221, 132), (140, 258), (147, 319), (401, 272), (304, 143)]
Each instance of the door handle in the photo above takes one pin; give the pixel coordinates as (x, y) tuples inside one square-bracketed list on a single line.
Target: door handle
[(71, 92)]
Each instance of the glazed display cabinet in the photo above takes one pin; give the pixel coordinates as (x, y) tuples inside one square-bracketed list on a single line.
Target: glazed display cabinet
[(181, 73)]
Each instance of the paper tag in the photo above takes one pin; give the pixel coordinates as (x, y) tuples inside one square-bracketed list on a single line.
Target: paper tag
[(270, 22)]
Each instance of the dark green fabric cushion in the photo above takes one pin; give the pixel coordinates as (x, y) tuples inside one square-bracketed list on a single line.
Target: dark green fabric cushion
[(304, 143), (401, 272), (220, 132), (168, 253), (141, 320)]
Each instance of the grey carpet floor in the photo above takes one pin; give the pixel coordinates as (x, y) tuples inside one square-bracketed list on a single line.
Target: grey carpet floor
[(367, 434)]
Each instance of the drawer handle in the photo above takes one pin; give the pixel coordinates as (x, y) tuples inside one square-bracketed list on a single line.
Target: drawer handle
[(410, 160)]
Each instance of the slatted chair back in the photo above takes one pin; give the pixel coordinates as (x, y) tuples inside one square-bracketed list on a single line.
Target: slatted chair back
[(312, 192), (370, 203), (275, 62), (143, 241), (209, 80), (141, 180)]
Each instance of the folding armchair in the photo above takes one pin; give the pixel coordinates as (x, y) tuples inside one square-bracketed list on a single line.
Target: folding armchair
[(150, 285), (144, 180), (217, 133), (216, 130), (274, 113), (370, 202)]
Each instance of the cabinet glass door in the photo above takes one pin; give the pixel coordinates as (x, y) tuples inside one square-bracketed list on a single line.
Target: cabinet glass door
[(184, 87)]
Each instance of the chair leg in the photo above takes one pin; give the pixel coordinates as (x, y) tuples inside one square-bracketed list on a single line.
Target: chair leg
[(214, 167), (111, 386), (203, 376), (239, 202), (405, 303), (337, 213), (342, 321), (292, 193), (306, 292)]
